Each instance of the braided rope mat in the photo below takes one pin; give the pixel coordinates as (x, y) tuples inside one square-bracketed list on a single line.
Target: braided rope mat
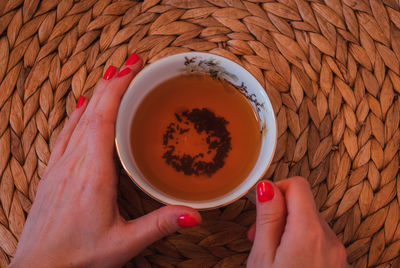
[(331, 69)]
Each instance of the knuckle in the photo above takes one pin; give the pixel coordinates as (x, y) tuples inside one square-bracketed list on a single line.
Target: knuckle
[(268, 218), (83, 123), (316, 235), (98, 120), (301, 185), (301, 181), (163, 227), (341, 251)]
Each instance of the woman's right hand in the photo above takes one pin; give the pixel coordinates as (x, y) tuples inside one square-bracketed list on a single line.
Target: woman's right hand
[(289, 232)]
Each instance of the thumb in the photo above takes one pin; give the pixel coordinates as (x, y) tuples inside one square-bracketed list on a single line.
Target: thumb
[(149, 228), (270, 222)]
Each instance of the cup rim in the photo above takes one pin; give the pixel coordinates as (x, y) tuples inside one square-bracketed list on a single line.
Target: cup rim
[(132, 177)]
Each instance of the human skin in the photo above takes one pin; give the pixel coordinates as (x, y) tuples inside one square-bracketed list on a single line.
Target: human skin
[(75, 222), (289, 232)]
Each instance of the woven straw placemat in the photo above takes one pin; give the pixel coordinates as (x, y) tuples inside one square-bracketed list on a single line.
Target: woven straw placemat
[(331, 69)]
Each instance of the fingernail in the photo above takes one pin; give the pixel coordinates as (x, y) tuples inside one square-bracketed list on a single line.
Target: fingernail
[(80, 102), (265, 191), (187, 220), (111, 70), (124, 72), (132, 59)]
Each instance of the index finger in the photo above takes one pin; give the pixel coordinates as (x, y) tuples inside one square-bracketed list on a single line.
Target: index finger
[(300, 202)]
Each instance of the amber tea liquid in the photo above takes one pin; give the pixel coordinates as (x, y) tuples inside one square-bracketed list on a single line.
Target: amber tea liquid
[(195, 137)]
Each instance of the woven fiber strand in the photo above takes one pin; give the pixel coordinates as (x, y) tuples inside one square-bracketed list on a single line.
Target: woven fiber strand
[(331, 69)]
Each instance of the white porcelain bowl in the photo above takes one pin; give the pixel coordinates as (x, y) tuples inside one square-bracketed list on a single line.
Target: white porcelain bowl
[(175, 65)]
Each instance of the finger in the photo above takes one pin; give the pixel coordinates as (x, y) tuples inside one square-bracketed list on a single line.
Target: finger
[(251, 233), (101, 119), (102, 85), (300, 202), (110, 99), (110, 78), (145, 230), (102, 123), (65, 135), (81, 126), (270, 223), (302, 215)]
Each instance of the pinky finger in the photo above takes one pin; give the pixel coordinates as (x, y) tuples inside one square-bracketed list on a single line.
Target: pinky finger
[(65, 134)]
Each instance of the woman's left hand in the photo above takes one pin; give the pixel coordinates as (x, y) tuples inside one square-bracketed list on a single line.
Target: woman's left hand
[(75, 220)]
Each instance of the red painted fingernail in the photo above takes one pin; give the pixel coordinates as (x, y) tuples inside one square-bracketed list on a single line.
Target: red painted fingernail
[(265, 191), (132, 59), (187, 220), (111, 70), (124, 72), (80, 102)]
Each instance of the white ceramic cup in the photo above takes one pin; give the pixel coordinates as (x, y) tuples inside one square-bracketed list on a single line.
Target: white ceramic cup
[(193, 62)]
